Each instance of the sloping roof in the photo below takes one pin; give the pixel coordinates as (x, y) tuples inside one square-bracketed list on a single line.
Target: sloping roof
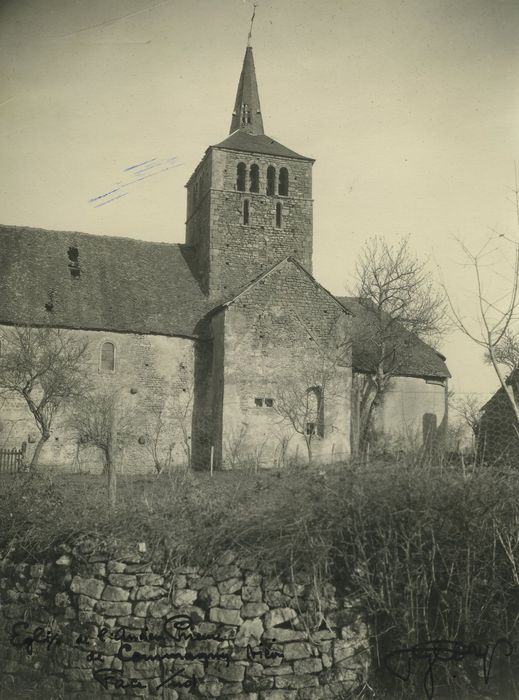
[(247, 99), (414, 357), (124, 285), (257, 143)]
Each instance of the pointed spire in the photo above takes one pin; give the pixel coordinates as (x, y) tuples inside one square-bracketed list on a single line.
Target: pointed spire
[(247, 111)]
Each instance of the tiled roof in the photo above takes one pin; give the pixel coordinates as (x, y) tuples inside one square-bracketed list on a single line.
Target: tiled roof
[(257, 143), (124, 285), (414, 357)]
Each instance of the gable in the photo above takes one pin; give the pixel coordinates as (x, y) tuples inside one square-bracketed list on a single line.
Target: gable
[(290, 307), (414, 357), (77, 280)]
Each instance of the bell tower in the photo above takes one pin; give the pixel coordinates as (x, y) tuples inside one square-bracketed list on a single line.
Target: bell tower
[(249, 201)]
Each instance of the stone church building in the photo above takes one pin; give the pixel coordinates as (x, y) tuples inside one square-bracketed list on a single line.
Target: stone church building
[(224, 345)]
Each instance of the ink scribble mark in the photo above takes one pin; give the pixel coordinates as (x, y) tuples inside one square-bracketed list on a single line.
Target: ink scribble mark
[(135, 173)]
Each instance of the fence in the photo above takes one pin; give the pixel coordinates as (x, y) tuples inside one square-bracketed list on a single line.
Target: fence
[(11, 461)]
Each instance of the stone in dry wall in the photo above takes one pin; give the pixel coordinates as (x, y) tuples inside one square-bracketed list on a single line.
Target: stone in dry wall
[(88, 625)]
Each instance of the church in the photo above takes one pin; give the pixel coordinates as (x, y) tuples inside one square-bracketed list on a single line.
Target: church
[(224, 350)]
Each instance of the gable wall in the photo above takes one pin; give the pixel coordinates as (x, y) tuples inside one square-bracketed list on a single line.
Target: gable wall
[(156, 368), (270, 339)]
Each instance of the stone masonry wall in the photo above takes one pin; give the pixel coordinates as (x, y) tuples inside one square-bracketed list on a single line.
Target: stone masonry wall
[(86, 624), (229, 252), (276, 336), (151, 372)]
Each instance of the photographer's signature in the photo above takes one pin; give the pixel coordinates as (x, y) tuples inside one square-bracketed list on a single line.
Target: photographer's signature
[(399, 662)]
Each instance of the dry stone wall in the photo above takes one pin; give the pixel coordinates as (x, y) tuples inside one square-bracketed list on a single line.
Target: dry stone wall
[(89, 624)]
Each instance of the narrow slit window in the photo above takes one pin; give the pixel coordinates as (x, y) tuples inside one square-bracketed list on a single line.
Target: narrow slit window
[(258, 402), (241, 172), (107, 360), (269, 403), (246, 211), (283, 182), (254, 178), (271, 180), (279, 215)]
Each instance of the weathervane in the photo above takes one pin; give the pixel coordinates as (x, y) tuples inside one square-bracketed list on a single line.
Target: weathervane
[(251, 23)]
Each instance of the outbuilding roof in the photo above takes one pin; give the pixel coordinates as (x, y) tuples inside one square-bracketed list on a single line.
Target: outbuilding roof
[(413, 357)]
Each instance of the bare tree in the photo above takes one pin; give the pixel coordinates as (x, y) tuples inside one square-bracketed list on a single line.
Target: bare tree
[(468, 408), (400, 300), (44, 366), (495, 268), (157, 435), (100, 420), (315, 379)]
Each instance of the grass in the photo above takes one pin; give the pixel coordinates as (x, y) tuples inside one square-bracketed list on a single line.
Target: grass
[(431, 552)]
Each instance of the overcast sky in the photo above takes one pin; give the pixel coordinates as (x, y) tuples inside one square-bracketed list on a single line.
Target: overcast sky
[(410, 108)]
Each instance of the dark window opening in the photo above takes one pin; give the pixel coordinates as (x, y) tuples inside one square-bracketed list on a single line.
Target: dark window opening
[(279, 215), (241, 171), (254, 178), (73, 256), (107, 361), (271, 180), (246, 211), (258, 402), (269, 403), (245, 115), (283, 182), (315, 411)]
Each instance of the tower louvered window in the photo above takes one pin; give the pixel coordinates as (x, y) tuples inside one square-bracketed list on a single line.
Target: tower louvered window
[(283, 182), (241, 174), (254, 178), (271, 180)]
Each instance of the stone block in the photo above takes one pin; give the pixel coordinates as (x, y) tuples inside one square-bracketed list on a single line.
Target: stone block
[(150, 579), (280, 634), (115, 593), (87, 586), (254, 609), (297, 650), (231, 672), (113, 609), (64, 560), (251, 594), (231, 602), (199, 582), (150, 593), (250, 632), (209, 597), (115, 567), (313, 665), (278, 695), (227, 617), (253, 579), (230, 585), (160, 608), (84, 602), (279, 615), (141, 609), (122, 580), (184, 596)]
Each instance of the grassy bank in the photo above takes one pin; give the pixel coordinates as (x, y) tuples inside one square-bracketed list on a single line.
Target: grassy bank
[(433, 553)]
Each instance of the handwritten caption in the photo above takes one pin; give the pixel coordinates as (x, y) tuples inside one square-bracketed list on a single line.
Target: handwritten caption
[(400, 661), (177, 629)]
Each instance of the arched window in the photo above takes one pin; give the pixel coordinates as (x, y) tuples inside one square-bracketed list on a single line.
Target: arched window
[(241, 172), (283, 182), (254, 178), (246, 211), (271, 180), (107, 359), (279, 215), (314, 411)]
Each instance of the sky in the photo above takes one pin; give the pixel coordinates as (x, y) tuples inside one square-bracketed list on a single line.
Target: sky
[(410, 108)]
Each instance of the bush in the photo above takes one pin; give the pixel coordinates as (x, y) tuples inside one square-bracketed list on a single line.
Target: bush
[(430, 552)]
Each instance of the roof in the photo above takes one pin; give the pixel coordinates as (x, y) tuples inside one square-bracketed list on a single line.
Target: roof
[(415, 358), (124, 285), (247, 111), (257, 143)]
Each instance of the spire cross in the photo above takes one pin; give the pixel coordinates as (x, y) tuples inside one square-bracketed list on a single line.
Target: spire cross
[(251, 23)]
